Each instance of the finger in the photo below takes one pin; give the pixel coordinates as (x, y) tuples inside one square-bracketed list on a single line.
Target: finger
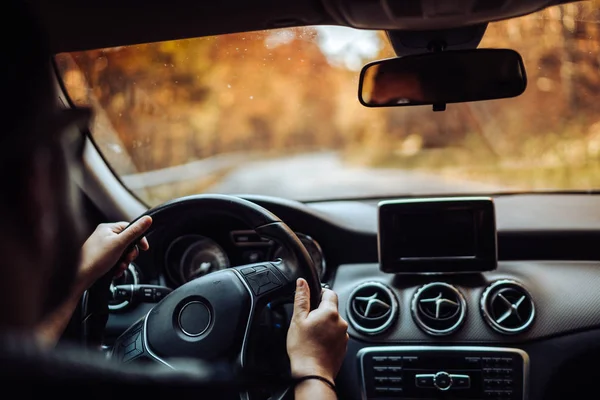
[(132, 255), (301, 299), (121, 267), (329, 299), (118, 227), (134, 231), (143, 244)]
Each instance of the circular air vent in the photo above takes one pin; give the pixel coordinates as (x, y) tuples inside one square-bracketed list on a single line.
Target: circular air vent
[(507, 307), (372, 308), (438, 308)]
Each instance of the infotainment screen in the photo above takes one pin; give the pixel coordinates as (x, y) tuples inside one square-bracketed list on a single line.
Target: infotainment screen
[(437, 235)]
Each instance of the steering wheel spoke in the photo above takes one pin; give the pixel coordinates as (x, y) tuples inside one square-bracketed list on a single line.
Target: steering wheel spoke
[(264, 280)]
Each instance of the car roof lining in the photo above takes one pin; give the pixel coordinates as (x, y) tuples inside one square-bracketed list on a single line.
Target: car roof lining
[(75, 25), (81, 25)]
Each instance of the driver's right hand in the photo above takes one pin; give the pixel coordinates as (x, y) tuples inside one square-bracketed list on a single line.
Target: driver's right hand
[(316, 340)]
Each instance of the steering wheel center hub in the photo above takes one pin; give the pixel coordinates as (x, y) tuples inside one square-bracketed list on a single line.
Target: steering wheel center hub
[(194, 318)]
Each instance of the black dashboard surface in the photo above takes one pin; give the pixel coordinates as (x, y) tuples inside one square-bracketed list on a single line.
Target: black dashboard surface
[(530, 228), (548, 243), (565, 295)]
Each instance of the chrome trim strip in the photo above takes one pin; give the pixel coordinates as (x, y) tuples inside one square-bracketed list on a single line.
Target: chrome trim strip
[(250, 316), (394, 311), (438, 332), (145, 343), (488, 316), (244, 395), (364, 351)]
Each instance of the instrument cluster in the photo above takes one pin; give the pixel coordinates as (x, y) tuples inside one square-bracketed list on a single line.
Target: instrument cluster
[(191, 256)]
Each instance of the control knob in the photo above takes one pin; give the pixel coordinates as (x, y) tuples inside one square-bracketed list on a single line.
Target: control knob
[(442, 380)]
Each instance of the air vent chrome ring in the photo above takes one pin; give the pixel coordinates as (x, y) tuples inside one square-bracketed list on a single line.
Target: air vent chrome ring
[(507, 307), (438, 308), (372, 308)]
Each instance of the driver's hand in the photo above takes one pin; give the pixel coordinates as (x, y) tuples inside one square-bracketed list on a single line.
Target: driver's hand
[(316, 340), (104, 249)]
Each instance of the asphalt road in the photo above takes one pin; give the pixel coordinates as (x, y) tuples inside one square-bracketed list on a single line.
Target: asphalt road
[(324, 176)]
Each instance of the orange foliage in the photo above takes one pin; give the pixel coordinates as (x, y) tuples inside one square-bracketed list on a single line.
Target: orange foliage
[(169, 103)]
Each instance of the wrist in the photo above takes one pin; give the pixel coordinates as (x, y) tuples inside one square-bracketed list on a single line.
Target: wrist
[(305, 368), (83, 281), (315, 380)]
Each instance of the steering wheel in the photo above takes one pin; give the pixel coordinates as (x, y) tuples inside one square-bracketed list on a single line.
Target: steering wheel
[(210, 317)]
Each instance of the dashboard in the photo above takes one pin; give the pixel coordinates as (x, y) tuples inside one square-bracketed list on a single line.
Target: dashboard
[(450, 336)]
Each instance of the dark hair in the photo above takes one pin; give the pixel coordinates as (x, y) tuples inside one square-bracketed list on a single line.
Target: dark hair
[(32, 133), (25, 82), (25, 67)]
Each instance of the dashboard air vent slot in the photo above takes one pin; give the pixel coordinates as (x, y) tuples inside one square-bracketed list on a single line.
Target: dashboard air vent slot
[(372, 308), (507, 307), (438, 308)]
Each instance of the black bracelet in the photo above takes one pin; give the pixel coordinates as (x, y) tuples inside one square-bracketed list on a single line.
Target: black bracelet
[(317, 377)]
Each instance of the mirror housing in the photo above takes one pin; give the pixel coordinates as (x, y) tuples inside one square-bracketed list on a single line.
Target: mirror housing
[(439, 78)]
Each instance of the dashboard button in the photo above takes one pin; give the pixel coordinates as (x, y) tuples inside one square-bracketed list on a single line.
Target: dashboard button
[(380, 359), (273, 278), (473, 361), (129, 348), (424, 380), (507, 361), (461, 381), (410, 361), (262, 278), (247, 271)]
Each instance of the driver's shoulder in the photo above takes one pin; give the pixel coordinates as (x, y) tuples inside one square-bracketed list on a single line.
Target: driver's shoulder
[(69, 369)]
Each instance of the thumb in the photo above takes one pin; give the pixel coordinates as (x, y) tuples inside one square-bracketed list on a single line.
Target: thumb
[(134, 231), (301, 299)]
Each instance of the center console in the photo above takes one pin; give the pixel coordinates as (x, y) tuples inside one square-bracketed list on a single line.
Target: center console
[(431, 372)]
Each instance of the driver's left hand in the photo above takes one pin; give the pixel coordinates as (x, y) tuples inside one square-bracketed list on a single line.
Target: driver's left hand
[(105, 247)]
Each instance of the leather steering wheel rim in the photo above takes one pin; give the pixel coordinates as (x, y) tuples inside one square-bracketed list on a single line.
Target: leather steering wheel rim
[(255, 217)]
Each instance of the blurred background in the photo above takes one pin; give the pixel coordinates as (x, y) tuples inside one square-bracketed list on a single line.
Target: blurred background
[(276, 113)]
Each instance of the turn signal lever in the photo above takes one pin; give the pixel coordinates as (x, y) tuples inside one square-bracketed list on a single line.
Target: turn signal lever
[(139, 293)]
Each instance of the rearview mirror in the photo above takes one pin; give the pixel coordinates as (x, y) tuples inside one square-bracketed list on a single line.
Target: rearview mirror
[(443, 77)]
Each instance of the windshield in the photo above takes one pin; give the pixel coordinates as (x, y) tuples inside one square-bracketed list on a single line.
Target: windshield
[(276, 113)]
